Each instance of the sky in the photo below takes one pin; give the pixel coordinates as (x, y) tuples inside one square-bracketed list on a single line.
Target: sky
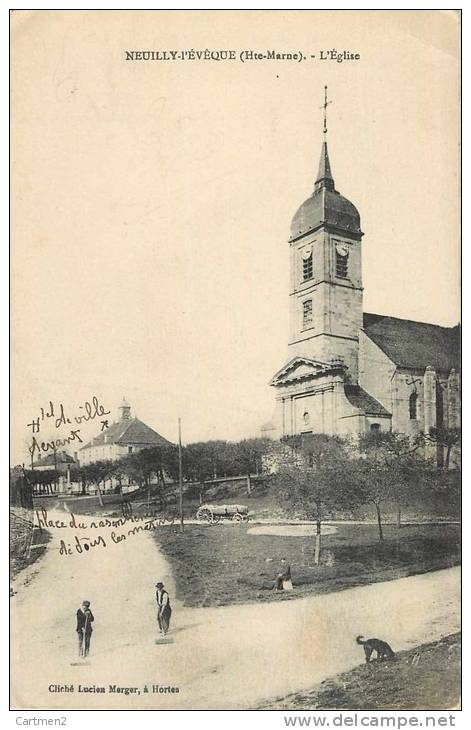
[(151, 201)]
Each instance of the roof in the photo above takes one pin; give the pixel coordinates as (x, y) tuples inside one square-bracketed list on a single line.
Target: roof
[(415, 345), (305, 367), (60, 457), (324, 173), (325, 207), (364, 401), (128, 431)]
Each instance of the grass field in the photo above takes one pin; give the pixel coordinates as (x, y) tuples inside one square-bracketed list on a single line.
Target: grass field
[(424, 678), (224, 564)]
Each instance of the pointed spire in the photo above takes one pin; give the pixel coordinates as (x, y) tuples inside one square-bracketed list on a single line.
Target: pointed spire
[(324, 175)]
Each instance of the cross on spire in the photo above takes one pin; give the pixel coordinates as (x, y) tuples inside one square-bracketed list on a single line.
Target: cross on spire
[(324, 175), (324, 107)]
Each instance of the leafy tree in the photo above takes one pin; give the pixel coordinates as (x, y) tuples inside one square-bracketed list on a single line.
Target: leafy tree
[(80, 475), (446, 485), (448, 439), (139, 468), (201, 461), (320, 482), (21, 487), (247, 457), (98, 472), (297, 443), (146, 464), (170, 461), (119, 471), (389, 468), (42, 477), (206, 460), (93, 474)]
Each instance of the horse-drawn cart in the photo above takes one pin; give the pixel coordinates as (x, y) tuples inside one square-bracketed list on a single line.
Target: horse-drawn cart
[(214, 513)]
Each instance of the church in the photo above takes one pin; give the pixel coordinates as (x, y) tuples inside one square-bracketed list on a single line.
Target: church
[(349, 371)]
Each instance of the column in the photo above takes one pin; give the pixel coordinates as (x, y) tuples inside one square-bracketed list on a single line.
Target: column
[(430, 413), (453, 399)]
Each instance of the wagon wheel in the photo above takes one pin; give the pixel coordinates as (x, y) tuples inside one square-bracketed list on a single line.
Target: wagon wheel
[(238, 517), (216, 519), (203, 515)]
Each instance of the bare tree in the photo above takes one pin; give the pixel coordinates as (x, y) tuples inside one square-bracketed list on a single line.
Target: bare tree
[(319, 483), (389, 468)]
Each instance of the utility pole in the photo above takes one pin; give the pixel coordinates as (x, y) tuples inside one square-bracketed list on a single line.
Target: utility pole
[(180, 472)]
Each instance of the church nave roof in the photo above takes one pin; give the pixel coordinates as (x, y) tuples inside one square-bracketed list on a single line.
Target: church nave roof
[(415, 345)]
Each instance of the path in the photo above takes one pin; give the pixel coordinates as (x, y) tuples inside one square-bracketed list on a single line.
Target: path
[(227, 657)]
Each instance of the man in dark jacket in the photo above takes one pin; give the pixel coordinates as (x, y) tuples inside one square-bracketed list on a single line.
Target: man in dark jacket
[(164, 610), (84, 628)]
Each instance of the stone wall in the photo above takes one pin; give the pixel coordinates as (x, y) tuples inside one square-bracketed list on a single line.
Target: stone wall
[(375, 371), (337, 303)]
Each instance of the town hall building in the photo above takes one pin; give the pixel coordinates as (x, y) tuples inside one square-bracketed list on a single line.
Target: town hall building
[(350, 371), (127, 435)]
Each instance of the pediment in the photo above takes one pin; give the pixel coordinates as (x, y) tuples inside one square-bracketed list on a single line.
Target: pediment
[(302, 368)]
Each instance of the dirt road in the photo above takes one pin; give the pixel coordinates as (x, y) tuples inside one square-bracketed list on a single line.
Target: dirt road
[(228, 657)]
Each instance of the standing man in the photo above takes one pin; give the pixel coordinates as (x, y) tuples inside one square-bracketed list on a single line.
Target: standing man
[(84, 628), (164, 610)]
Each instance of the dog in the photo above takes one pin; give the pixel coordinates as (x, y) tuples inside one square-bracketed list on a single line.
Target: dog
[(382, 649)]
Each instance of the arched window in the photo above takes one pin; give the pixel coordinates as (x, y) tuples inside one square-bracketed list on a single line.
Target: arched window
[(413, 406)]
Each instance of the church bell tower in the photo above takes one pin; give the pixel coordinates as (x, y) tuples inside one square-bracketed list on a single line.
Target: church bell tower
[(326, 292), (316, 385)]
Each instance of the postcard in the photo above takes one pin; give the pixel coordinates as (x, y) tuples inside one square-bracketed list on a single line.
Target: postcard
[(235, 429)]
